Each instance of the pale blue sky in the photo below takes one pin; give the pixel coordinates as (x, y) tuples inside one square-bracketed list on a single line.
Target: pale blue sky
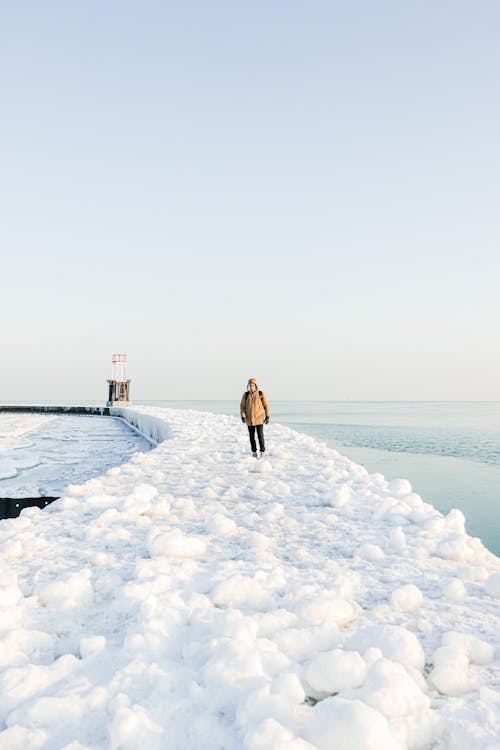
[(303, 192)]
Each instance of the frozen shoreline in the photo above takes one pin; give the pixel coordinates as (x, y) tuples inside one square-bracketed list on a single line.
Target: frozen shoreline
[(195, 597)]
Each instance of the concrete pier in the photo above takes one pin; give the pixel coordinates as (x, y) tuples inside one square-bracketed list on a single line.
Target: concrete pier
[(102, 411)]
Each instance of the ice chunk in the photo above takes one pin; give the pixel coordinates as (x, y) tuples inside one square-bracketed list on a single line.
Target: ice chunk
[(455, 521), (333, 671), (221, 526), (479, 652), (399, 487), (454, 590), (455, 547), (175, 544), (407, 598), (395, 642), (450, 675), (393, 690), (371, 552), (345, 725), (338, 496), (450, 679)]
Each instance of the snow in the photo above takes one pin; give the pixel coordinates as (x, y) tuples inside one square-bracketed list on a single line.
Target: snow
[(332, 671), (197, 598), (492, 585), (346, 724), (407, 598), (41, 454)]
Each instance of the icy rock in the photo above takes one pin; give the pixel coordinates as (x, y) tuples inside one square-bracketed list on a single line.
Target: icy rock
[(338, 496), (391, 689), (478, 651), (221, 526), (492, 585), (407, 598), (175, 544), (455, 521), (413, 500), (394, 641), (454, 590), (345, 725), (450, 673), (333, 671), (371, 552), (455, 547), (450, 679), (399, 487)]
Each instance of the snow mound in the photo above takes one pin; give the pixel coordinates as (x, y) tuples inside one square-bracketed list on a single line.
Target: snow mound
[(336, 670), (196, 598), (175, 544), (395, 642), (349, 724), (407, 598)]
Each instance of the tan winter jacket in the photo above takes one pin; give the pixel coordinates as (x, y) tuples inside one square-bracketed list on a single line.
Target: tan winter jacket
[(253, 406)]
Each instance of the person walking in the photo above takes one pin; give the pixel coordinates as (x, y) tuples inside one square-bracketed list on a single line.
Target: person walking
[(255, 413)]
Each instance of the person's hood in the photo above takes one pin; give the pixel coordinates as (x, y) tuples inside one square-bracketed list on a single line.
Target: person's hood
[(252, 380)]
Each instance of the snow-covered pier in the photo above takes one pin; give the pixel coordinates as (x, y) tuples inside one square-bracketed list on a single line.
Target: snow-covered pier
[(198, 598), (53, 409)]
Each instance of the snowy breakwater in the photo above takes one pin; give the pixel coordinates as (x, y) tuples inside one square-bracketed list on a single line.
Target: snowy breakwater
[(197, 598), (152, 427), (41, 454)]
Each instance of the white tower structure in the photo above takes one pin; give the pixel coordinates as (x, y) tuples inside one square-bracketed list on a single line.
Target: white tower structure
[(119, 386)]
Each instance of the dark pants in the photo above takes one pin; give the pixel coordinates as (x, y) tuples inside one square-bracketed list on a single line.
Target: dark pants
[(260, 435)]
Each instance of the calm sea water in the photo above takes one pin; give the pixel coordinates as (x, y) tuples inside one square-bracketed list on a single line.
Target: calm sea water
[(450, 451)]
